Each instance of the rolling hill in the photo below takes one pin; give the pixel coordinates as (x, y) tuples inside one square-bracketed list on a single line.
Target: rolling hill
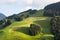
[(19, 30)]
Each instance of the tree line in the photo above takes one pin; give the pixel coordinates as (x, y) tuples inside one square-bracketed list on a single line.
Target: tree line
[(16, 17), (55, 26), (9, 20)]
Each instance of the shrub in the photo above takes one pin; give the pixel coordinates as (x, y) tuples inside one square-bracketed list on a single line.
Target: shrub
[(34, 29)]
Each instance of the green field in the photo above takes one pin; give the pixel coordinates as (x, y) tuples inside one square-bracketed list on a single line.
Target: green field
[(19, 30)]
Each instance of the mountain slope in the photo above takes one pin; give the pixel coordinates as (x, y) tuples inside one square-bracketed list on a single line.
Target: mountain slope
[(20, 30), (52, 9), (2, 16)]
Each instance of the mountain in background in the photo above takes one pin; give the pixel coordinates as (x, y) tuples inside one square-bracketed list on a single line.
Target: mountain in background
[(2, 16), (52, 9)]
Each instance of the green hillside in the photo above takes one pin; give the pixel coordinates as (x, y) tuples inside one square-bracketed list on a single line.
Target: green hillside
[(19, 30)]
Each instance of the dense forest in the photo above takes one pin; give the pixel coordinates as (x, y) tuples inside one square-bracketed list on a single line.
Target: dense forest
[(55, 27), (52, 9)]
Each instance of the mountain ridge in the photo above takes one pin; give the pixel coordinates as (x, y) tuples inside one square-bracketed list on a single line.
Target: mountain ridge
[(2, 16)]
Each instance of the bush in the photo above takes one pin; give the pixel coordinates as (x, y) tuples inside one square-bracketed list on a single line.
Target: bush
[(4, 23), (34, 29)]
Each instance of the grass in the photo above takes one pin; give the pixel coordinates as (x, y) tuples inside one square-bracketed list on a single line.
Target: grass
[(38, 14), (22, 33), (19, 30)]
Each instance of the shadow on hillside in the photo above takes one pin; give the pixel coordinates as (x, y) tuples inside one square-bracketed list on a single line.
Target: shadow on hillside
[(45, 25), (2, 33), (42, 22), (24, 30)]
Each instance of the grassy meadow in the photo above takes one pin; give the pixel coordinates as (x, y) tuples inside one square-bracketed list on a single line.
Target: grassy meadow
[(20, 30)]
